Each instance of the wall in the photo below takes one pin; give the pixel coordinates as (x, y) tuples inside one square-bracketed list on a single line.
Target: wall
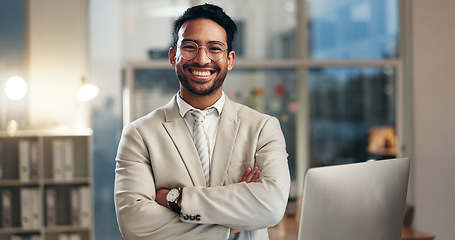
[(434, 116), (12, 59), (56, 53)]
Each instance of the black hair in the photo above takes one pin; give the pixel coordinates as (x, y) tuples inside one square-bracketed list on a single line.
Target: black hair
[(211, 12)]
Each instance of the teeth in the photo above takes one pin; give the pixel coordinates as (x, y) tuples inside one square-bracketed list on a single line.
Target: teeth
[(201, 73)]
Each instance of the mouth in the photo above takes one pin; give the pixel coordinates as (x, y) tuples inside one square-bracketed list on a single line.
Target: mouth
[(201, 73)]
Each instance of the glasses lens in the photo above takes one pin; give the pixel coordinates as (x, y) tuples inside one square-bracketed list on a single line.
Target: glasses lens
[(215, 51), (189, 50)]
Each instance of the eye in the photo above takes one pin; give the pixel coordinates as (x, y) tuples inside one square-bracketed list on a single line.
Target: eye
[(215, 48), (188, 47)]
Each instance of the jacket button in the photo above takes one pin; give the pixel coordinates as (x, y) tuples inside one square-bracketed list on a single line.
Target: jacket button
[(185, 217), (198, 217), (192, 217)]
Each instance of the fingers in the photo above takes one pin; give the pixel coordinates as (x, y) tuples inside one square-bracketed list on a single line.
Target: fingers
[(161, 197), (251, 175), (247, 171), (256, 175)]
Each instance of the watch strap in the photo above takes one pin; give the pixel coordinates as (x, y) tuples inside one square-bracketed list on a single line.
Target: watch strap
[(174, 204), (175, 207)]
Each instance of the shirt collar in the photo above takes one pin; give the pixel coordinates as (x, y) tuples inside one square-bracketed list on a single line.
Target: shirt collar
[(184, 107)]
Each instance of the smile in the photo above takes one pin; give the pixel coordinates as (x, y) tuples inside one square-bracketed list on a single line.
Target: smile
[(201, 73)]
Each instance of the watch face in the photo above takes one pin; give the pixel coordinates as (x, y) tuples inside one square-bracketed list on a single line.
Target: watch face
[(172, 195)]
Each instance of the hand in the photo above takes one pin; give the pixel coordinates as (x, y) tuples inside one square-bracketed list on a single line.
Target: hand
[(251, 175), (161, 197), (234, 231)]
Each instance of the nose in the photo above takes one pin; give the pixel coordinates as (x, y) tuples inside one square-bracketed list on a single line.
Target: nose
[(202, 57)]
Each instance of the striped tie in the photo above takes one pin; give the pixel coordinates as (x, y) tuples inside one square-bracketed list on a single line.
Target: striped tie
[(200, 140)]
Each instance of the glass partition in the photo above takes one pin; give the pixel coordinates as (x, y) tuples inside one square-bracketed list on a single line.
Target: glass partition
[(352, 29), (352, 114), (266, 28)]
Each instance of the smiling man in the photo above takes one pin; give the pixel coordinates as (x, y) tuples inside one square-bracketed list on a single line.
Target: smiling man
[(202, 166)]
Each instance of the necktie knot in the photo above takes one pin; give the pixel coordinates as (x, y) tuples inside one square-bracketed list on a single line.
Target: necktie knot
[(198, 115)]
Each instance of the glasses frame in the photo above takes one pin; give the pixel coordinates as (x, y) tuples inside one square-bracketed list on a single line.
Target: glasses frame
[(206, 51)]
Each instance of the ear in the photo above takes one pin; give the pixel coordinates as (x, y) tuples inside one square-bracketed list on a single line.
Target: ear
[(230, 60), (172, 56)]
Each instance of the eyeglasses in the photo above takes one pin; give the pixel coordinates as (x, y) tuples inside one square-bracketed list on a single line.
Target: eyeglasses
[(189, 50)]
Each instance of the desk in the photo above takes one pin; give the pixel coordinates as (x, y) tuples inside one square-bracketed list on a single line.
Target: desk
[(288, 229), (412, 234)]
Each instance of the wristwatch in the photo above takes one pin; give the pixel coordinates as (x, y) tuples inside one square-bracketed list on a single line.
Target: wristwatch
[(172, 198)]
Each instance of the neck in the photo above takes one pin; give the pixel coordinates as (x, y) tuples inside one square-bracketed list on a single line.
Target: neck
[(200, 101)]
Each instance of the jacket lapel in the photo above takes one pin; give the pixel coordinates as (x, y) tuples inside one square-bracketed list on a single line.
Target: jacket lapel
[(178, 131), (227, 132)]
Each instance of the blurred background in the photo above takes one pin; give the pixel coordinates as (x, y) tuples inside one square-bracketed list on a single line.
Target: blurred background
[(349, 80)]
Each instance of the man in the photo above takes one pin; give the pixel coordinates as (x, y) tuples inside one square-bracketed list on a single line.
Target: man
[(237, 186)]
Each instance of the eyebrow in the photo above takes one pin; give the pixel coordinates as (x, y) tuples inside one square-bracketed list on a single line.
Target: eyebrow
[(197, 42)]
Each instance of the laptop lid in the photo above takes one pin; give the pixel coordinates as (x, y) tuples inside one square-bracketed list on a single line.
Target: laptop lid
[(355, 201)]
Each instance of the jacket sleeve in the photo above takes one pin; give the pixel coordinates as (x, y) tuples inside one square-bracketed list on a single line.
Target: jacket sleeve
[(247, 206), (138, 215)]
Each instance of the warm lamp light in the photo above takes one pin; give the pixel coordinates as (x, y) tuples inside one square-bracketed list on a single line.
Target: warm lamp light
[(16, 88), (382, 141), (87, 91)]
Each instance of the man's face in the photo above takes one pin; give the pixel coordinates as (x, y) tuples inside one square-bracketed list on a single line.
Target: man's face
[(201, 75)]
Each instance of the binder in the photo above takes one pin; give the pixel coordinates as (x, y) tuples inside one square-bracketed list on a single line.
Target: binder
[(69, 236), (57, 159), (75, 206), (68, 159), (7, 216), (24, 160), (63, 236), (51, 206), (26, 208), (85, 206), (35, 207), (63, 159), (74, 236), (34, 160)]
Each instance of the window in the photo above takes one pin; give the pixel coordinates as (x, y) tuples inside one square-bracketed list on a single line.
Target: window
[(352, 108), (352, 114)]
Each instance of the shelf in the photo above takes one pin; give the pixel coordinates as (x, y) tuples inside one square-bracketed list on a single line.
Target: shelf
[(18, 230), (75, 181), (46, 184), (18, 183)]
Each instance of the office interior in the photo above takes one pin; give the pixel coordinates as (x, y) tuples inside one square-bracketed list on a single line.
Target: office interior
[(291, 54)]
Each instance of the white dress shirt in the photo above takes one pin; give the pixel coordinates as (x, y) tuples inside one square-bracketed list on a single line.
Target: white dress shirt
[(210, 122)]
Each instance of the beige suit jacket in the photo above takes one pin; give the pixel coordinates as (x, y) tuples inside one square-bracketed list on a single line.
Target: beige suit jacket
[(157, 151)]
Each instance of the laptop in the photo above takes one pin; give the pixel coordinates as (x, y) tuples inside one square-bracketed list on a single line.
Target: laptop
[(355, 201)]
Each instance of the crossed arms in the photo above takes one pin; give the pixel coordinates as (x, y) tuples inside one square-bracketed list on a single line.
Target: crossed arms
[(249, 202), (251, 175)]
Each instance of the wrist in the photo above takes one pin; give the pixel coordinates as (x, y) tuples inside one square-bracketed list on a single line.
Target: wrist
[(173, 199)]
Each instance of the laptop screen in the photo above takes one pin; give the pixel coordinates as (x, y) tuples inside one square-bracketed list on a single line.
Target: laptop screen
[(355, 201)]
